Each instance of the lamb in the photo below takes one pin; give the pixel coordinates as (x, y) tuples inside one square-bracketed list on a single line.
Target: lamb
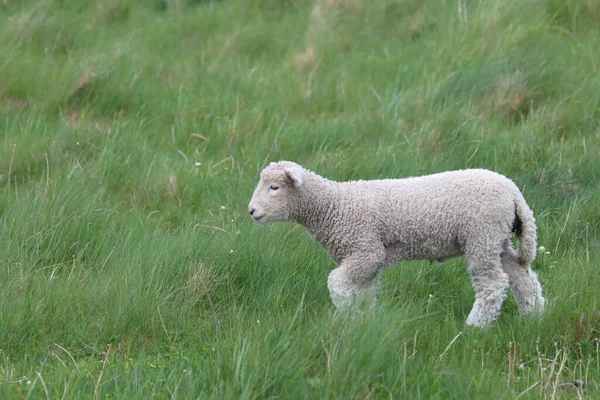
[(367, 225)]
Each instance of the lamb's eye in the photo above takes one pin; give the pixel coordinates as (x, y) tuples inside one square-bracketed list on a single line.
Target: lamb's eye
[(273, 187)]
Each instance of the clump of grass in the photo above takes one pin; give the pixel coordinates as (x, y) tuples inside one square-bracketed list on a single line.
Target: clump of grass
[(511, 96), (109, 11), (575, 16), (10, 103), (202, 280)]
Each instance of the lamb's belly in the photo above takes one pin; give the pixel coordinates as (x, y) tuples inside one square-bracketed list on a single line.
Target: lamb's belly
[(422, 249)]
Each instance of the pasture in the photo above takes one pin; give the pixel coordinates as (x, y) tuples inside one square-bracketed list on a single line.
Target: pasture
[(131, 137)]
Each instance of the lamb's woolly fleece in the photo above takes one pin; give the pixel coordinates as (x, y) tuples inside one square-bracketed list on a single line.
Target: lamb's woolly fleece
[(366, 225)]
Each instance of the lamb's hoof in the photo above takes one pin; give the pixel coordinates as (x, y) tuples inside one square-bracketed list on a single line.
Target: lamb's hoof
[(534, 311), (476, 320), (480, 325)]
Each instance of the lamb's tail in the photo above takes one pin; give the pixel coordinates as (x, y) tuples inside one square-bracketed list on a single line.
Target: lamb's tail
[(525, 229)]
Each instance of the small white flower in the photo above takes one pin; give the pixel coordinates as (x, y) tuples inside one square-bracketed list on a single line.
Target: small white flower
[(197, 164), (430, 296), (222, 207), (231, 251)]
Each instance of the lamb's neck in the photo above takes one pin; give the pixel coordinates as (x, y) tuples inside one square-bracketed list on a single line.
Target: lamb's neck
[(318, 207)]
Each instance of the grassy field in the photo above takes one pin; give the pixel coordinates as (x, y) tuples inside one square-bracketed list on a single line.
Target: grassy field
[(131, 137)]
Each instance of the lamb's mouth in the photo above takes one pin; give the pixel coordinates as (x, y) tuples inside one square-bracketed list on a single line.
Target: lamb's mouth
[(257, 218)]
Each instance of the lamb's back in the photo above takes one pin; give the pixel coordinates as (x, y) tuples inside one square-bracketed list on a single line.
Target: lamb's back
[(440, 207)]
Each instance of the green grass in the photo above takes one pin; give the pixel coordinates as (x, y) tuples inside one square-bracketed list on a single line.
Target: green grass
[(129, 271)]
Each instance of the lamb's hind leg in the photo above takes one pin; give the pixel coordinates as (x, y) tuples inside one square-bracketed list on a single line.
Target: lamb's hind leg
[(356, 277), (524, 284), (490, 283)]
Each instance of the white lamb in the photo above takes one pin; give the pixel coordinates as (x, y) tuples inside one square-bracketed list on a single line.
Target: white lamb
[(366, 225)]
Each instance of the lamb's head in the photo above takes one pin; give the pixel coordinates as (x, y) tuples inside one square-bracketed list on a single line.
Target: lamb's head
[(275, 196)]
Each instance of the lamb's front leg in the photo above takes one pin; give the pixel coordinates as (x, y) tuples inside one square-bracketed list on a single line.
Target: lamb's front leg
[(357, 276)]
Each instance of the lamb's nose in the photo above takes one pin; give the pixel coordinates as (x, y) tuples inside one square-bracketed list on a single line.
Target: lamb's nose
[(251, 210)]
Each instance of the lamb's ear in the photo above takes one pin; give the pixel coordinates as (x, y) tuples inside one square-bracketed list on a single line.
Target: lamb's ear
[(295, 175)]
